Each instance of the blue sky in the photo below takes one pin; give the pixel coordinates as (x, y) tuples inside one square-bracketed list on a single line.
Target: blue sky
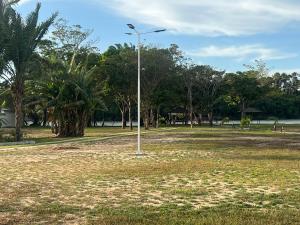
[(223, 33)]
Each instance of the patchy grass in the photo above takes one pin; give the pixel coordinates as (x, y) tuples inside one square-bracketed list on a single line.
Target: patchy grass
[(44, 135), (198, 176)]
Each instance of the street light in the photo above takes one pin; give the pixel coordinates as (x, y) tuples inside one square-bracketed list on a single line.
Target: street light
[(139, 34)]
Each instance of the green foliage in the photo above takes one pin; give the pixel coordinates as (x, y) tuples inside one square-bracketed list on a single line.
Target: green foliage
[(70, 91), (22, 39), (7, 135), (245, 122), (207, 85), (119, 65)]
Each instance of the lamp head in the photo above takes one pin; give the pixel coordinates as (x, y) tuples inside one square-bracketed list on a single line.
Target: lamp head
[(157, 31), (131, 26)]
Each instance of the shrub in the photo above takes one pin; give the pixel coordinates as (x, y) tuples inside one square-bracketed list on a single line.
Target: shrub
[(7, 135), (245, 122)]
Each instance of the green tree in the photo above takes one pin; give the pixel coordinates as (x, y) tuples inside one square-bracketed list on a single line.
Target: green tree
[(6, 12), (156, 64), (168, 95), (189, 80), (242, 90), (24, 38), (288, 83), (208, 82), (119, 63), (71, 90)]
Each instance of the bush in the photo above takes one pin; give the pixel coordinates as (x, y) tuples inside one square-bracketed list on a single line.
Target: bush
[(9, 135), (245, 122)]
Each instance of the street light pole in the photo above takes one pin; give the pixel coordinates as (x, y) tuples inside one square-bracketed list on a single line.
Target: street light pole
[(139, 151)]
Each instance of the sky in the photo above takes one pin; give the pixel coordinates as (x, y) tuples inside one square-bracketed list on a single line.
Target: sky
[(226, 34)]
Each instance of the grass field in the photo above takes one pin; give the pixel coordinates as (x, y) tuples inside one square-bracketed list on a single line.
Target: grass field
[(198, 176)]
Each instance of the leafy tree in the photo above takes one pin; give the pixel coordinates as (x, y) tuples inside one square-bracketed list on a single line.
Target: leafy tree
[(189, 80), (70, 90), (288, 83), (24, 37), (119, 64), (258, 69), (242, 90), (168, 95), (6, 12), (71, 97), (157, 64), (207, 83)]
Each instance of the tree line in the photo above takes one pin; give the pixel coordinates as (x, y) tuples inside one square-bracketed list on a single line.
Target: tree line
[(62, 79)]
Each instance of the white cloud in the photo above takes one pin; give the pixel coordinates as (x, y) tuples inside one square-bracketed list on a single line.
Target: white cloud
[(241, 52), (209, 17), (24, 1)]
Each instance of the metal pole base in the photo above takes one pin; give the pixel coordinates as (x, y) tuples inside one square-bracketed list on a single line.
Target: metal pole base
[(140, 154)]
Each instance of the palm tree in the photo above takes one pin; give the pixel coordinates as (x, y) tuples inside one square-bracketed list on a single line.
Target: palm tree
[(79, 97), (5, 13), (24, 37), (70, 90), (71, 96)]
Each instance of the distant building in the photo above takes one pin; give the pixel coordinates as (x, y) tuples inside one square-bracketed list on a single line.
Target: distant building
[(7, 118)]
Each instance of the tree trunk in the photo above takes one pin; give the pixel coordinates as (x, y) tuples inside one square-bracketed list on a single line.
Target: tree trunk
[(123, 112), (146, 120), (89, 122), (210, 119), (45, 118), (123, 120), (17, 92), (191, 106), (129, 115), (54, 127), (186, 116), (82, 123), (152, 117), (243, 110), (72, 123), (200, 119), (157, 117), (94, 119), (103, 120), (18, 116)]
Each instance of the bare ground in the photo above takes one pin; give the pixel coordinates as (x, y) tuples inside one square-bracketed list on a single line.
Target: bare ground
[(181, 169)]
